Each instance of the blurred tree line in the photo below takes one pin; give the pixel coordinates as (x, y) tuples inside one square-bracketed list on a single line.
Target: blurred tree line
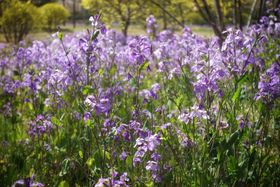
[(22, 16), (173, 13), (19, 17)]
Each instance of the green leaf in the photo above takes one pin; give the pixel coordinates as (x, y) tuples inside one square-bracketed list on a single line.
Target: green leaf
[(60, 35), (101, 71), (241, 81), (232, 139), (113, 69), (94, 35), (89, 124), (144, 66), (30, 106), (56, 121), (65, 164), (90, 161), (63, 184), (107, 155), (149, 184), (133, 82), (81, 154), (87, 90), (236, 94)]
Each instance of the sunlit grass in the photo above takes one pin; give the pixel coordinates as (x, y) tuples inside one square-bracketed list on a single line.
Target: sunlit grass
[(204, 31)]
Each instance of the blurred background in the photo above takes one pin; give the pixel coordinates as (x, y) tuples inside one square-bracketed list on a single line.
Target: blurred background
[(37, 19)]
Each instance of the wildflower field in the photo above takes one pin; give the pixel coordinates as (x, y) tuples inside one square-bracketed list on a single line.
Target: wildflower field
[(162, 109)]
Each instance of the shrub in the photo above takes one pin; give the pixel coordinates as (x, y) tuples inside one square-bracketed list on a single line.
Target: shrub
[(195, 18), (53, 15), (18, 20)]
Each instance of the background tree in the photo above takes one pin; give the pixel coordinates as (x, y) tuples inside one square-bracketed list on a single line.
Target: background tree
[(169, 12), (123, 11), (74, 13), (235, 10), (18, 20), (53, 14), (42, 2)]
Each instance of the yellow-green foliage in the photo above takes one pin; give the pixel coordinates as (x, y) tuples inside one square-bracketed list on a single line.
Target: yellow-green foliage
[(195, 18), (18, 20), (53, 14)]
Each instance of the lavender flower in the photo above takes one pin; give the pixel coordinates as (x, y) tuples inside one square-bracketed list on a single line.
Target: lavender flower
[(95, 22), (140, 49), (153, 167), (150, 143), (113, 181), (151, 25), (40, 126), (28, 182), (269, 85), (99, 105), (195, 112), (87, 115), (123, 155)]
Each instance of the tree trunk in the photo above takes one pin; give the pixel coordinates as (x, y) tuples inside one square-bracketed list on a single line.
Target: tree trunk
[(74, 14), (181, 14), (219, 14), (240, 18), (234, 13), (63, 3), (261, 9), (253, 7), (164, 21), (167, 13), (126, 24), (208, 17)]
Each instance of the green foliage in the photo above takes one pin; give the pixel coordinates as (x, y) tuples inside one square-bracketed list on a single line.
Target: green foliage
[(122, 12), (18, 20), (195, 18), (42, 2), (77, 153), (53, 14)]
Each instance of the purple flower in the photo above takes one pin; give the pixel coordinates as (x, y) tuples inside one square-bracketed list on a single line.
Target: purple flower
[(28, 182), (150, 143), (195, 112), (113, 181), (151, 25), (153, 141), (123, 155), (87, 115), (102, 182), (140, 50), (95, 22), (7, 109), (155, 156), (152, 166), (100, 105), (40, 126), (269, 85)]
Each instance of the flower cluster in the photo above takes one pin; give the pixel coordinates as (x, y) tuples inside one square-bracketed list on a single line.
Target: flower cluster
[(113, 181), (40, 126), (269, 85), (28, 182), (151, 25), (110, 96), (149, 145)]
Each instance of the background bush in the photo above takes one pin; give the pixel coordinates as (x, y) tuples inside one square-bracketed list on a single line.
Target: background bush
[(18, 20), (195, 18), (53, 14)]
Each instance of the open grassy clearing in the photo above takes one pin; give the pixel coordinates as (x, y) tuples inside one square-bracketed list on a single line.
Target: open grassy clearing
[(204, 31)]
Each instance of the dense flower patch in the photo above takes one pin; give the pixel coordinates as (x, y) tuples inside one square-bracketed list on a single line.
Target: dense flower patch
[(96, 109)]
